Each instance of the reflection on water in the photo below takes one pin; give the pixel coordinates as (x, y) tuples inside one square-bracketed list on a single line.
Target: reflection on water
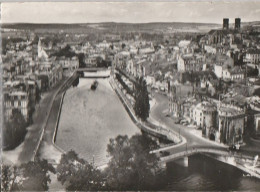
[(203, 174)]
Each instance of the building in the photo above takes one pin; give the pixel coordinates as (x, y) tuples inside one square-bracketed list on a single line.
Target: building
[(16, 100), (231, 123), (190, 63), (204, 116), (226, 23), (233, 74), (252, 56), (41, 51), (221, 65), (237, 23), (257, 123), (69, 65), (177, 95)]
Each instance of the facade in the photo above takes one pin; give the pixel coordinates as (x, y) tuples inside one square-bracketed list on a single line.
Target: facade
[(69, 65), (204, 115), (257, 123), (16, 100), (252, 56), (233, 74), (231, 123), (190, 63)]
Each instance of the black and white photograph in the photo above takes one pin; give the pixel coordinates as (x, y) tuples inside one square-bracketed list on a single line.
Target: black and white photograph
[(130, 96)]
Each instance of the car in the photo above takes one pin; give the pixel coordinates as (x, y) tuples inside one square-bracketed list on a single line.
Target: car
[(233, 148), (164, 153)]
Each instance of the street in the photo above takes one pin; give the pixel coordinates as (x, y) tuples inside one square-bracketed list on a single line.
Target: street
[(192, 140)]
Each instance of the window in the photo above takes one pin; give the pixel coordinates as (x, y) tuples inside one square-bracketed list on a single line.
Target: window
[(19, 103)]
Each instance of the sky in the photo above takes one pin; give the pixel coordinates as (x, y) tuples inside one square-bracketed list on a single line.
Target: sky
[(129, 12)]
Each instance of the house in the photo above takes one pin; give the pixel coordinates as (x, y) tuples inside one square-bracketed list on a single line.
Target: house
[(204, 115), (190, 62), (69, 65), (234, 74), (222, 67), (231, 123), (252, 56), (16, 100)]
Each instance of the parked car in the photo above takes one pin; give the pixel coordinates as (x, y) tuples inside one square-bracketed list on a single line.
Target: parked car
[(234, 147)]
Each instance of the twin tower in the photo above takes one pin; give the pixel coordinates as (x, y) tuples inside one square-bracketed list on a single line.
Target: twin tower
[(226, 23)]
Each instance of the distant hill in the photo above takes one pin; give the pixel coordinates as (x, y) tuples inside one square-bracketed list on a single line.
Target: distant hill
[(117, 27)]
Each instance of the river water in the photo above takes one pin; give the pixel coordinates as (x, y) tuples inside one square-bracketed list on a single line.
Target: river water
[(205, 174)]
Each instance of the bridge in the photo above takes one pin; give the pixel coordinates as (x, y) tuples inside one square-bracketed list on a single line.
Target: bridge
[(192, 151), (94, 72), (243, 162)]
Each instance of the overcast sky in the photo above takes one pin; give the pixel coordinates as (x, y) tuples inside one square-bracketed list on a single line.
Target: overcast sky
[(133, 12)]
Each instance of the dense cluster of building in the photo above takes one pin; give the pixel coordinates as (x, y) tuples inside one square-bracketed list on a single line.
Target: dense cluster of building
[(204, 72), (196, 71), (28, 71)]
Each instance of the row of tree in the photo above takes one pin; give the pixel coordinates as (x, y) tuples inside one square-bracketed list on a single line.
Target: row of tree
[(142, 105), (140, 94), (131, 167), (125, 86)]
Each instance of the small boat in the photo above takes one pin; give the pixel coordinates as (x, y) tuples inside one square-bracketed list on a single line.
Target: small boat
[(94, 85)]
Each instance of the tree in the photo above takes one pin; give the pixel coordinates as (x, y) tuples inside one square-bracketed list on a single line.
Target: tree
[(76, 81), (9, 181), (77, 174), (66, 51), (81, 58), (36, 175), (32, 176), (142, 105), (131, 166), (123, 45), (14, 130)]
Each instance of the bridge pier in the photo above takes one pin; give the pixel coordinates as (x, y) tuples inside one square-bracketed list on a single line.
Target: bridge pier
[(183, 161)]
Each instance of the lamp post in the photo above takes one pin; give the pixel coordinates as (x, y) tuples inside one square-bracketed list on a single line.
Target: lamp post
[(93, 160)]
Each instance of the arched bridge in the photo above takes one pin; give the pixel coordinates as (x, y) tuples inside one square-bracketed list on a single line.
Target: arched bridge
[(192, 151)]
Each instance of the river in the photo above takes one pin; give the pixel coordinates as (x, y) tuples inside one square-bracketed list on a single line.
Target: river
[(90, 118), (205, 174)]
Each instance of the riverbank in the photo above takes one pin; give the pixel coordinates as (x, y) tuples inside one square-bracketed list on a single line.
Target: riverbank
[(155, 130)]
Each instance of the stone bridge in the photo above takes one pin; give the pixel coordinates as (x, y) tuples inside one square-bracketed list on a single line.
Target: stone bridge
[(243, 162)]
